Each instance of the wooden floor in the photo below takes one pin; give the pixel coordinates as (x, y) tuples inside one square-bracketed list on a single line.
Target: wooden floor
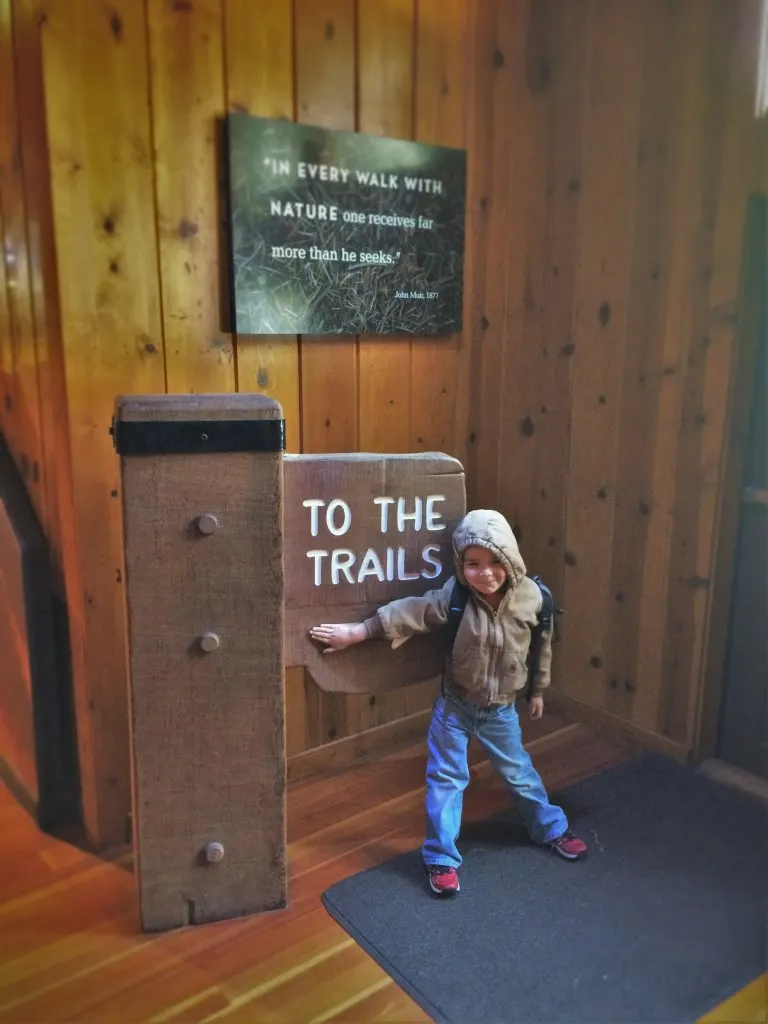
[(70, 947)]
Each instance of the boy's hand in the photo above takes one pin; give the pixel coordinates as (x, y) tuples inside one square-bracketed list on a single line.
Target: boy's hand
[(337, 636), (536, 707)]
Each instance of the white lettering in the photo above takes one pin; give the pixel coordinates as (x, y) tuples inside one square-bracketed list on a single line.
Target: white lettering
[(401, 573), (437, 566), (343, 565), (314, 504), (323, 172), (312, 211), (413, 517), (371, 566), (341, 561), (318, 557), (384, 503), (434, 518), (381, 180), (338, 531), (390, 564)]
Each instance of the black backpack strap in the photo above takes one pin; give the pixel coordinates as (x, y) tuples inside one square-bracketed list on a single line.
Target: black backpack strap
[(548, 610), (458, 602)]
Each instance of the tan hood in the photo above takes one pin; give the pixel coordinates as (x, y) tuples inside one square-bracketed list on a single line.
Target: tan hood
[(487, 529)]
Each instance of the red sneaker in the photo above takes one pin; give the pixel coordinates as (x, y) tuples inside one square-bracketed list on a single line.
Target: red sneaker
[(443, 881), (569, 846)]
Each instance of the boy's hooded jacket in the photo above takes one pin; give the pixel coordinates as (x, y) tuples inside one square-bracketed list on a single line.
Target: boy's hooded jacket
[(488, 662)]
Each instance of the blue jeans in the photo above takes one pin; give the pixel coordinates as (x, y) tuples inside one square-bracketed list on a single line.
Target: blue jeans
[(453, 722)]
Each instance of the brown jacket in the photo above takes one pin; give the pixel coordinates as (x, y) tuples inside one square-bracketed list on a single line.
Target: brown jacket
[(488, 662)]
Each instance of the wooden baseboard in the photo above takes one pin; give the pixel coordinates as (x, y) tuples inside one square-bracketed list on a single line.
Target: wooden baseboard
[(352, 750), (578, 711)]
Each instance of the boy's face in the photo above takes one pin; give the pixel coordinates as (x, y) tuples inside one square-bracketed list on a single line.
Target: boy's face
[(483, 570)]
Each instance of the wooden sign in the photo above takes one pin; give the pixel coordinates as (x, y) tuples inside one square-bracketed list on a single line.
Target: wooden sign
[(362, 530)]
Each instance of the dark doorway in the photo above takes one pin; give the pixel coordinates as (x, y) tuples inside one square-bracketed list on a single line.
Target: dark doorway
[(743, 735)]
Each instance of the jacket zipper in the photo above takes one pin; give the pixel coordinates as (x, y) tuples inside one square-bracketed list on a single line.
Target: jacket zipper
[(493, 688)]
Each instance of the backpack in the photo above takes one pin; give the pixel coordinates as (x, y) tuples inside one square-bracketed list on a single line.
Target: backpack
[(546, 620)]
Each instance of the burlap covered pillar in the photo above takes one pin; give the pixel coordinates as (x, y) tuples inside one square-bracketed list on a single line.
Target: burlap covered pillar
[(202, 500)]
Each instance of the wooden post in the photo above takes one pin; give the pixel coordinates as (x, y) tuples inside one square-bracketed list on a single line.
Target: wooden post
[(203, 508)]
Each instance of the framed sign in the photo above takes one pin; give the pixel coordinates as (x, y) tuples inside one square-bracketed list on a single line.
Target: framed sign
[(338, 232)]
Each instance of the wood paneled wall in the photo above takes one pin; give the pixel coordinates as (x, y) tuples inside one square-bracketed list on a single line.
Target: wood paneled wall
[(611, 152)]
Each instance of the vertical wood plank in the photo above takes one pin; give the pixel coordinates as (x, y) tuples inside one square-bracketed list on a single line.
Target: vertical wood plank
[(643, 369), (524, 411), (39, 242), (599, 336), (684, 589), (325, 54), (6, 353), (385, 90), (61, 526), (25, 434), (325, 96), (711, 350), (103, 199), (689, 155), (441, 56), (570, 26), (385, 37), (737, 179), (7, 100), (498, 47), (471, 410), (187, 75), (259, 76)]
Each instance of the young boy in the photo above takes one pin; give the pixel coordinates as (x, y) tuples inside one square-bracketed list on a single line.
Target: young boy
[(486, 672)]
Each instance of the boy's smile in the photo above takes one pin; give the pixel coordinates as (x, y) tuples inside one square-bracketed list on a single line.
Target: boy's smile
[(483, 571)]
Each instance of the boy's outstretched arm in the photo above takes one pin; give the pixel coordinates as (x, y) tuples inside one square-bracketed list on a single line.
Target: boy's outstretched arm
[(397, 620), (336, 636)]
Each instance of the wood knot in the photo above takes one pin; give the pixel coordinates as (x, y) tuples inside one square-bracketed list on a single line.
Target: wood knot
[(187, 229)]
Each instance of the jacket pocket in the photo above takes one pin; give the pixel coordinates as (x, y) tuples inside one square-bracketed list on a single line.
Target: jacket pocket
[(512, 671), (469, 668)]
